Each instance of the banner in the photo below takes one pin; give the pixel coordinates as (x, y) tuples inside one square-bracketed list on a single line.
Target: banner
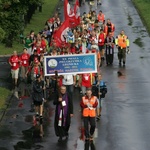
[(68, 11), (70, 64), (60, 35), (73, 14), (77, 13)]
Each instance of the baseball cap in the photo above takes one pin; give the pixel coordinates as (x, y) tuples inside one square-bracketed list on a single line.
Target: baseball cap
[(38, 76)]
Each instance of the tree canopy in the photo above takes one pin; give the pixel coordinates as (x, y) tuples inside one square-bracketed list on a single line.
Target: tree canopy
[(14, 15)]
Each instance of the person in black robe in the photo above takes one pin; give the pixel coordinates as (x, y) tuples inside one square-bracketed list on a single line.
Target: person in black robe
[(63, 113)]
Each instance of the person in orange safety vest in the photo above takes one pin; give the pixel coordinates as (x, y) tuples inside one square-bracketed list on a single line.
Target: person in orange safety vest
[(101, 19), (109, 27), (122, 43), (88, 105)]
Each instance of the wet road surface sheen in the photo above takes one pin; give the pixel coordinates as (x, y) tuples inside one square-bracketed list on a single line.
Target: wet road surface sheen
[(124, 123)]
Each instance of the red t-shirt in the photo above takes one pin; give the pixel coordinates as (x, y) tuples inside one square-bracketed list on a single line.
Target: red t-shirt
[(101, 39), (39, 50), (14, 60), (72, 50), (35, 70), (25, 59), (86, 80), (43, 44), (60, 81)]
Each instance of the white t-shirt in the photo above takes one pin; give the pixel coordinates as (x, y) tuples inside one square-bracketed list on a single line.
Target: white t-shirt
[(68, 79)]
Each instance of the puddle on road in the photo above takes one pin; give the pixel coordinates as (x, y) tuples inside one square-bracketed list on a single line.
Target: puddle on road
[(138, 42), (29, 118), (31, 138), (140, 30), (130, 20)]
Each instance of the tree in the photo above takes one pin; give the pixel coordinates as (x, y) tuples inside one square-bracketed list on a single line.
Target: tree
[(2, 34), (12, 14)]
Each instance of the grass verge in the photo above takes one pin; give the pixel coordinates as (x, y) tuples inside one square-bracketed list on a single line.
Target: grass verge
[(142, 7), (4, 95), (39, 19), (37, 23)]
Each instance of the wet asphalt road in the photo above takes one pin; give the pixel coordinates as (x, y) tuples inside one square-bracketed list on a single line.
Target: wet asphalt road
[(125, 120)]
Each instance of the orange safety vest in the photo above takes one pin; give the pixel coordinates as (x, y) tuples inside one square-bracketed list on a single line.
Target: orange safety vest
[(112, 29), (87, 112), (101, 18), (122, 41)]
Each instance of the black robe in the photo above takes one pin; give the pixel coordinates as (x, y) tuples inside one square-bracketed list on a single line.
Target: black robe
[(62, 131)]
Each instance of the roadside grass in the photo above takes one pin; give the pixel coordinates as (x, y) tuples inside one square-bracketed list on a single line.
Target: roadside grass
[(4, 94), (143, 7), (37, 24), (39, 19)]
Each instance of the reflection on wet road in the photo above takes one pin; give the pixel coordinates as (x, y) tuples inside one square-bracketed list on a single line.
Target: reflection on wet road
[(124, 124)]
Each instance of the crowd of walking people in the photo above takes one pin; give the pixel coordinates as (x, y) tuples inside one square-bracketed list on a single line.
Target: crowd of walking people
[(94, 34)]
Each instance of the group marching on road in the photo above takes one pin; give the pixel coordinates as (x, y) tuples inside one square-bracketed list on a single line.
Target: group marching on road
[(93, 34)]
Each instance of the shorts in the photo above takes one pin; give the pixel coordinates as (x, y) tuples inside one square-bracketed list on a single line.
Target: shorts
[(37, 103), (100, 102), (23, 71), (101, 47), (15, 73)]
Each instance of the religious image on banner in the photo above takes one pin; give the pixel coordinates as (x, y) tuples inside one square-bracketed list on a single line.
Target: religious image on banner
[(70, 64), (52, 63)]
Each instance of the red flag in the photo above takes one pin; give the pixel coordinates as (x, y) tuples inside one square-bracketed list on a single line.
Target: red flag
[(74, 18), (68, 12), (65, 8), (77, 12), (59, 35)]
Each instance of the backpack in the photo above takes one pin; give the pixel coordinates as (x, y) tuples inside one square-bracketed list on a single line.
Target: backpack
[(95, 90), (103, 88)]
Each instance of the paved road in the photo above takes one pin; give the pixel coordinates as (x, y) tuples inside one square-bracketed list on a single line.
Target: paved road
[(124, 124)]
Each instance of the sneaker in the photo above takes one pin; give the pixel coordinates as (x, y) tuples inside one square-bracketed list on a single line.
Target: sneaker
[(98, 118), (67, 136), (102, 58), (124, 63), (37, 117), (60, 139), (80, 92), (31, 110)]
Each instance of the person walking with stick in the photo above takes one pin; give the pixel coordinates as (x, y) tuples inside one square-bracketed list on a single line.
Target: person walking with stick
[(63, 113)]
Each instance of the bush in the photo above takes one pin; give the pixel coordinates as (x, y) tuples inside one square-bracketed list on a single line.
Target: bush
[(2, 34)]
